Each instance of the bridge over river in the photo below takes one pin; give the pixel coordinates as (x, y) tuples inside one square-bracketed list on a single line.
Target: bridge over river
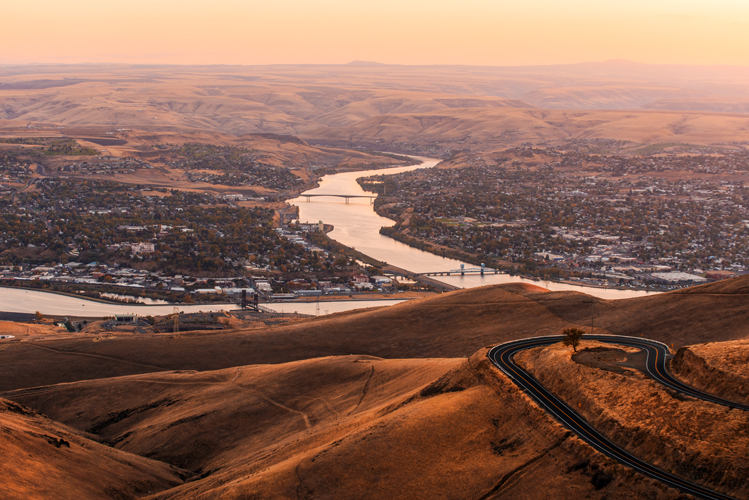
[(347, 197), (461, 272)]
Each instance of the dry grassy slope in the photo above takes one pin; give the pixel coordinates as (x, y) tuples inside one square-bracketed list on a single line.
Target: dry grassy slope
[(709, 104), (278, 150), (449, 325), (220, 102), (610, 95), (452, 105), (713, 312), (20, 330), (720, 368), (271, 149), (490, 127), (706, 443), (43, 459), (345, 427), (248, 410)]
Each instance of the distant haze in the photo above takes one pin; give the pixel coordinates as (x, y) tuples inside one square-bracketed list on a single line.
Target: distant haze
[(470, 32)]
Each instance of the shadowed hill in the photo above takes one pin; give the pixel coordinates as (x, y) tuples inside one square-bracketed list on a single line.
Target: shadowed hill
[(337, 426), (344, 427), (44, 459), (450, 325), (162, 415)]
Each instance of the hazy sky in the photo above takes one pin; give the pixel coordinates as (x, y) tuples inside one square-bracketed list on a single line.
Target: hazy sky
[(490, 32)]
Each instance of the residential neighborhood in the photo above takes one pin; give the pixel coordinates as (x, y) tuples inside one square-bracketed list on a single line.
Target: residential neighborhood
[(571, 215)]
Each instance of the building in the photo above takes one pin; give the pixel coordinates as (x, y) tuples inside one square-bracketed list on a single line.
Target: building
[(678, 277), (283, 296), (138, 248), (311, 227), (380, 280), (125, 319)]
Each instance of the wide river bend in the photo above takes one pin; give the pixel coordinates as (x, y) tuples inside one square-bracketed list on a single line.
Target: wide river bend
[(358, 226)]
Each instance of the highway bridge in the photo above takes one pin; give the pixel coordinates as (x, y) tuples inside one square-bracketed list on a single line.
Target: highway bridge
[(347, 197), (461, 272), (503, 354)]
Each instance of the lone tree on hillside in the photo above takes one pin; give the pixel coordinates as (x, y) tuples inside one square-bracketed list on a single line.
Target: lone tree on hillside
[(572, 337), (39, 316)]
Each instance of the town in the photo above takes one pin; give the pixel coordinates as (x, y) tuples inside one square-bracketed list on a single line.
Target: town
[(588, 212), (228, 166), (638, 221), (122, 242)]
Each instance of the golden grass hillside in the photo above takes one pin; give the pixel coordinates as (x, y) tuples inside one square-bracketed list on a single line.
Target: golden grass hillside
[(453, 324), (44, 459), (721, 368), (485, 128), (439, 107), (397, 402), (343, 427), (703, 442)]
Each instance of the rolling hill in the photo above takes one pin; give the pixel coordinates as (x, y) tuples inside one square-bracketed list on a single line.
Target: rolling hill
[(398, 402), (439, 106)]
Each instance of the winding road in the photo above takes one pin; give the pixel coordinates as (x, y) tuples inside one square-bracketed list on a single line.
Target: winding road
[(502, 356)]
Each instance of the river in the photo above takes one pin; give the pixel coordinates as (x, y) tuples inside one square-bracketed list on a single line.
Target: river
[(19, 300), (358, 226)]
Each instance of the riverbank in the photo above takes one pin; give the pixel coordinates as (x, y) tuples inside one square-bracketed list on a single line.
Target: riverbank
[(22, 304), (104, 301), (69, 294), (354, 297)]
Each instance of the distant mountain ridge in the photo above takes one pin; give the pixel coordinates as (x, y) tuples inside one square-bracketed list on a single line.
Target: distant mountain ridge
[(383, 103)]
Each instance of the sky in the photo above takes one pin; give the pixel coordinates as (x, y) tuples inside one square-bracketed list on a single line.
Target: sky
[(470, 32)]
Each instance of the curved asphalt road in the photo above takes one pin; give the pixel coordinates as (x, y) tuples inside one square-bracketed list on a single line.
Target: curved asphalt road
[(502, 356)]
